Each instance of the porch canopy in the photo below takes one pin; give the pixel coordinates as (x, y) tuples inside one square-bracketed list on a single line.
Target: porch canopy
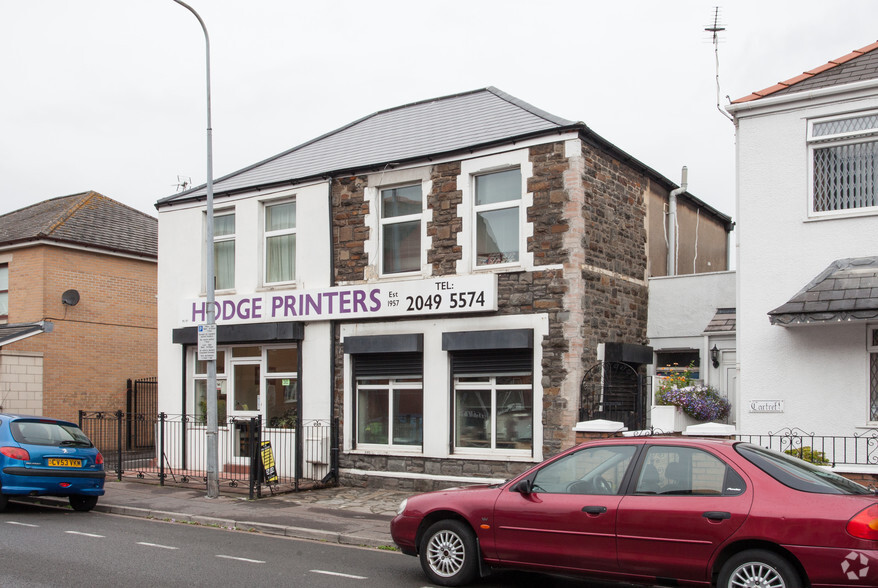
[(846, 291), (16, 332)]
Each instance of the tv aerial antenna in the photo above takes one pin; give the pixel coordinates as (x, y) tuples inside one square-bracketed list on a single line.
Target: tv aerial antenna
[(715, 28), (183, 183)]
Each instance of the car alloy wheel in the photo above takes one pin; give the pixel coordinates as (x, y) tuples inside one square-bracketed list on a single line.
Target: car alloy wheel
[(448, 553), (758, 569)]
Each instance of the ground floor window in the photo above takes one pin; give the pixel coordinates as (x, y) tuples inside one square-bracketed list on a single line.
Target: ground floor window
[(390, 411), (493, 412), (251, 380)]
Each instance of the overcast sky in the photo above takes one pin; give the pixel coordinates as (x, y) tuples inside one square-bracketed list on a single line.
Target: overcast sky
[(109, 95)]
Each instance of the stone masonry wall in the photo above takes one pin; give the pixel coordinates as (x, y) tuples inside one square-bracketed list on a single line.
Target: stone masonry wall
[(588, 218)]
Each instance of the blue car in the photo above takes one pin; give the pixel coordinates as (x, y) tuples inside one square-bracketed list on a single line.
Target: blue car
[(41, 456)]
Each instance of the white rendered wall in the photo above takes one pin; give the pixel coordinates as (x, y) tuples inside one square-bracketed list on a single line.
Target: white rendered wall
[(819, 372), (181, 270)]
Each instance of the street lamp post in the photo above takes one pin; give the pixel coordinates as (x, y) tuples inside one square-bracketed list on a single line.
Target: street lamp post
[(212, 425)]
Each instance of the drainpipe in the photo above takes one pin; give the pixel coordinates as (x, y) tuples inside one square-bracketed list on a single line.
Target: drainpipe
[(672, 222)]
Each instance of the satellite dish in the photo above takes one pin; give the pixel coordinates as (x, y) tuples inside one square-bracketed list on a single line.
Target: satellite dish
[(70, 297)]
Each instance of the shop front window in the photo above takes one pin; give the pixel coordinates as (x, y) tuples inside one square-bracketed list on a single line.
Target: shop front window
[(494, 412), (390, 411)]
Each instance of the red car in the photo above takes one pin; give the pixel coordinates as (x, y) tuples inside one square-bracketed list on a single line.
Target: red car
[(654, 510)]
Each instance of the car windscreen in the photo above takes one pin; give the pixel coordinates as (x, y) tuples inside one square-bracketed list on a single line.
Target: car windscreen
[(35, 432), (797, 474)]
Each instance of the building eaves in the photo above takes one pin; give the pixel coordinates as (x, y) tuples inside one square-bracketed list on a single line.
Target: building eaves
[(836, 71)]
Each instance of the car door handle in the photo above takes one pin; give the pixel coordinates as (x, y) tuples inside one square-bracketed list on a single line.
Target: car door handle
[(717, 515), (594, 510)]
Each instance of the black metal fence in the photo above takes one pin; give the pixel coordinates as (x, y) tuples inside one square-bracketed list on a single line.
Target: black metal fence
[(250, 454), (832, 450)]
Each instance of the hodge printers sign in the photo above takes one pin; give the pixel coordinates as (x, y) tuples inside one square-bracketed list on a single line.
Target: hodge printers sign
[(361, 301)]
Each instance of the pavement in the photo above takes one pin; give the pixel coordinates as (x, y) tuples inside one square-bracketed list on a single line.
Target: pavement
[(345, 515)]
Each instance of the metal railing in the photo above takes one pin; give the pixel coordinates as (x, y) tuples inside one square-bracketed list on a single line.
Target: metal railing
[(833, 450), (250, 454)]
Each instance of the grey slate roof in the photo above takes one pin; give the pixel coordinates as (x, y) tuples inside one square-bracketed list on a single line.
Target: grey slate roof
[(724, 321), (410, 132), (16, 332), (88, 219), (862, 68), (845, 291), (417, 132)]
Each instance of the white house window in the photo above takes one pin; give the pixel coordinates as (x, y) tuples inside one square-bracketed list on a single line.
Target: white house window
[(224, 250), (390, 411), (200, 383), (844, 155), (497, 209), (4, 292), (873, 373), (280, 242), (401, 211), (493, 412)]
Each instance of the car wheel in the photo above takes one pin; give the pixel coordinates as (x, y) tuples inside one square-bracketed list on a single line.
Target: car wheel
[(4, 500), (758, 569), (83, 503), (449, 554)]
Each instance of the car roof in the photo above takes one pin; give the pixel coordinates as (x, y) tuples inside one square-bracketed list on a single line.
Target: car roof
[(15, 417), (664, 440)]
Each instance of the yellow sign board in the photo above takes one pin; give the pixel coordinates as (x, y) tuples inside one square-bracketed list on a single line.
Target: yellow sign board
[(269, 469)]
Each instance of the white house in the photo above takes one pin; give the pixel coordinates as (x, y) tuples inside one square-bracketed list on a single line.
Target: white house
[(807, 240)]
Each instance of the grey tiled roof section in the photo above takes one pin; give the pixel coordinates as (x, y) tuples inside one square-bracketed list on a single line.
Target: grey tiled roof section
[(861, 68), (409, 132), (88, 219), (845, 291), (724, 321)]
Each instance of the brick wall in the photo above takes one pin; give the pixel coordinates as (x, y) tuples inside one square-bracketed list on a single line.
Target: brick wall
[(95, 346)]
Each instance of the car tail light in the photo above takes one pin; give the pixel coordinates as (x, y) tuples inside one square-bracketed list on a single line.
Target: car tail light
[(15, 453), (864, 525), (100, 458)]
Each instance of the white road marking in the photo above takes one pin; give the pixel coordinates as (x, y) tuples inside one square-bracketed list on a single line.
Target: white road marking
[(241, 559), (21, 524), (156, 545), (85, 534), (325, 573)]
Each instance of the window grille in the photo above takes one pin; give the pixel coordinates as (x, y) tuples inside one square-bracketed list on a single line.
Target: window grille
[(845, 164)]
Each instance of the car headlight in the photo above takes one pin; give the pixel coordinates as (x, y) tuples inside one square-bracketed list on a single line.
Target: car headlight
[(401, 507)]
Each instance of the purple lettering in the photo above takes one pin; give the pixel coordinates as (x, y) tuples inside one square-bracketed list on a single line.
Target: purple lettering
[(359, 301), (313, 303), (374, 295), (290, 308), (344, 301), (243, 313), (228, 310), (329, 296), (276, 303), (257, 308), (196, 311)]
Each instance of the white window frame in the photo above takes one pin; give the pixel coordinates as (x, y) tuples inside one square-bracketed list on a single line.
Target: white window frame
[(469, 169), (817, 142), (383, 221), (4, 292), (225, 238), (494, 207), (492, 385), (266, 235), (394, 383)]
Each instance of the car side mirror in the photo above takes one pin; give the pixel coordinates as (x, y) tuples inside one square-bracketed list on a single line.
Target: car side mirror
[(523, 487)]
